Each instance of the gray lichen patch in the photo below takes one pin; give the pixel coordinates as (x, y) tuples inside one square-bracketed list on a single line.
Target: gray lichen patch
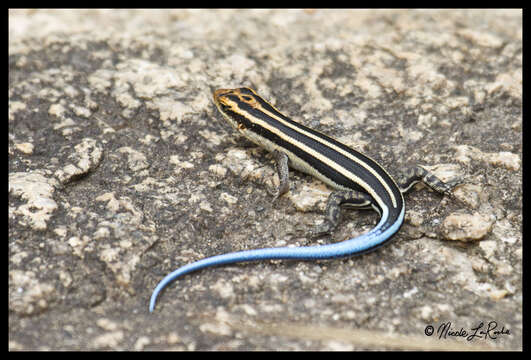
[(465, 154), (122, 256), (156, 84), (36, 190), (466, 227), (84, 158), (135, 159), (28, 295)]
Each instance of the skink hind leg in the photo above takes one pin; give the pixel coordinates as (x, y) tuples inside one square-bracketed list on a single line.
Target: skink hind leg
[(350, 198), (336, 200), (419, 174)]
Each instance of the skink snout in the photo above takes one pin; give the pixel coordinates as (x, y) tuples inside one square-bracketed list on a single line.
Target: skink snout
[(217, 93)]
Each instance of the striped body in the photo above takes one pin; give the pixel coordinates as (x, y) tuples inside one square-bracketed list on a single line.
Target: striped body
[(314, 153), (308, 150)]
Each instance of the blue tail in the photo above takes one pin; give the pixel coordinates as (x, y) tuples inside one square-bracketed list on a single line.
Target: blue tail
[(361, 244)]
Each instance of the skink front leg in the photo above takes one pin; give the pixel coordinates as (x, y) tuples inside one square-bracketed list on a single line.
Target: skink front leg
[(281, 160)]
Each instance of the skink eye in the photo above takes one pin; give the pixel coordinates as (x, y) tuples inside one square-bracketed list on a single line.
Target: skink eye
[(248, 99)]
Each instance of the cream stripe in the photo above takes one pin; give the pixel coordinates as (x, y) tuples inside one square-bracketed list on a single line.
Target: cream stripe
[(339, 150), (322, 158)]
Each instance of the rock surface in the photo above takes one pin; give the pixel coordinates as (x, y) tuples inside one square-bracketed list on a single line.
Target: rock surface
[(121, 170)]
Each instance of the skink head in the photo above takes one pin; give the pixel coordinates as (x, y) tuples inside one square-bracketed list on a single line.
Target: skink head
[(232, 103), (230, 97)]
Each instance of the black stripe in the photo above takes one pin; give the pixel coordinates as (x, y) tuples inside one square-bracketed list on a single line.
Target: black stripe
[(337, 157), (268, 107)]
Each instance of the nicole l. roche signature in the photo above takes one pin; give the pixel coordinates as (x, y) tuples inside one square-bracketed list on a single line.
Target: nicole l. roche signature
[(489, 331)]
